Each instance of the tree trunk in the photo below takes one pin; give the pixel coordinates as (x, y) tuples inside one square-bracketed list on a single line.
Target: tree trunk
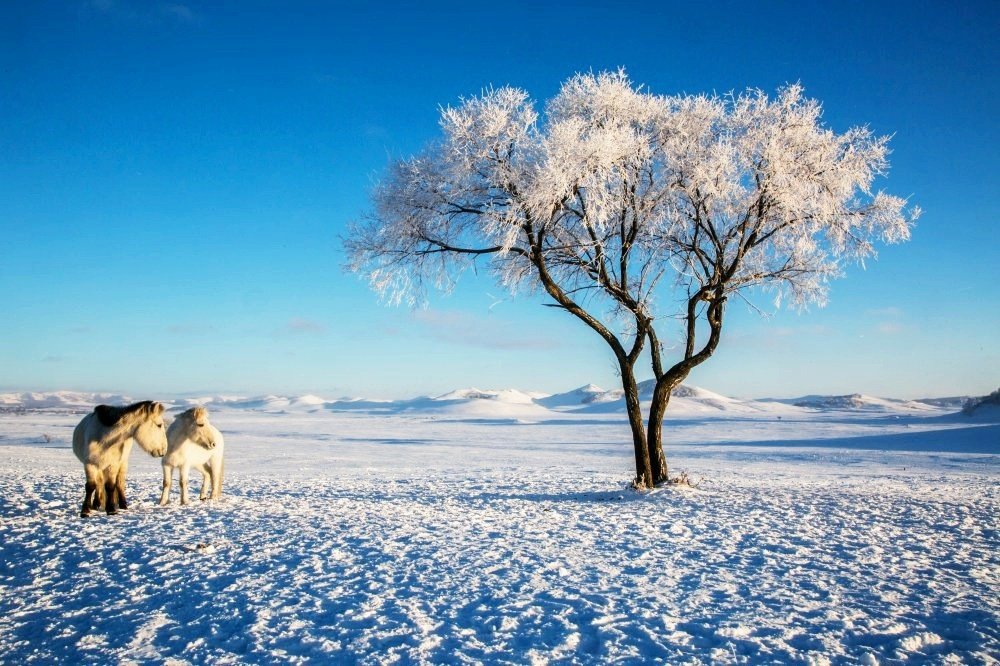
[(666, 381), (643, 470), (654, 432)]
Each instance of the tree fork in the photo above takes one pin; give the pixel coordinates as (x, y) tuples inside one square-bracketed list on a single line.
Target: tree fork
[(667, 381), (644, 477)]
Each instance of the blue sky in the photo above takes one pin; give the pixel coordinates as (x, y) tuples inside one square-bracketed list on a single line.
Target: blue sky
[(175, 178)]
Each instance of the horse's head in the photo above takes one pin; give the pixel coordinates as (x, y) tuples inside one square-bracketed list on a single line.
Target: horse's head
[(151, 433), (197, 428)]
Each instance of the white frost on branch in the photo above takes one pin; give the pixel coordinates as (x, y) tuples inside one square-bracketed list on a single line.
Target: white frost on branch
[(614, 188)]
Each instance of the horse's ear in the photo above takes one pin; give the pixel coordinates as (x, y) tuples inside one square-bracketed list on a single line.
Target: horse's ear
[(158, 407)]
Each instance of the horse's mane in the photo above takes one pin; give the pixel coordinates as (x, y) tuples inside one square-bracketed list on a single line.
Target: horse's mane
[(192, 413), (110, 415)]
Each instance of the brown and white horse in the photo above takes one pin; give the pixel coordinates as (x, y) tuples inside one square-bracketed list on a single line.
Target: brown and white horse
[(103, 442)]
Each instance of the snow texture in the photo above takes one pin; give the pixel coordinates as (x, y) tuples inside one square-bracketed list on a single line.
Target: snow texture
[(497, 527)]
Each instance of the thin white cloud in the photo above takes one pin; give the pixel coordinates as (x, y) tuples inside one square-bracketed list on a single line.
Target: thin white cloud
[(777, 337), (889, 312), (795, 331), (146, 12), (190, 329), (302, 326), (462, 328), (179, 12), (891, 320), (890, 328)]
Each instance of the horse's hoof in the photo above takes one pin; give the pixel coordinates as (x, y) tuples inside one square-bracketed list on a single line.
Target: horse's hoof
[(85, 514)]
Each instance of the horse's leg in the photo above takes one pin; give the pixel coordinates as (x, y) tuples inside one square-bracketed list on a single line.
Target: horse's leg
[(185, 468), (120, 486), (216, 477), (90, 492), (111, 491), (98, 501), (88, 497), (206, 481), (168, 477)]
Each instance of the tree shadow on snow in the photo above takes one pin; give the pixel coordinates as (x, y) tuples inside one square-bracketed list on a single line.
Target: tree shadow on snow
[(621, 494)]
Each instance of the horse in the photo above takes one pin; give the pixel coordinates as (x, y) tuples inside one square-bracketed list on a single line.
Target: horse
[(193, 442), (102, 441)]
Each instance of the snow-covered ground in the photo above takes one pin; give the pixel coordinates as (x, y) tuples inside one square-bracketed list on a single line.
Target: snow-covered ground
[(498, 527)]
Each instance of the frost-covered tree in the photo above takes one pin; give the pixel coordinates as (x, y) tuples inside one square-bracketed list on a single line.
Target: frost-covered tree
[(629, 210)]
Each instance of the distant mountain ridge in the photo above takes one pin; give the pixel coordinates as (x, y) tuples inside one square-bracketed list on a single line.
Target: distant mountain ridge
[(65, 400), (503, 403)]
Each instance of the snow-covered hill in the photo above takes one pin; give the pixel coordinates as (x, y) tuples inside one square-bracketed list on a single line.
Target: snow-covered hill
[(585, 395), (476, 403), (858, 401), (499, 403)]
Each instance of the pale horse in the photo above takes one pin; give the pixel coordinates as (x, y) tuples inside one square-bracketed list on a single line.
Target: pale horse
[(102, 441), (193, 442)]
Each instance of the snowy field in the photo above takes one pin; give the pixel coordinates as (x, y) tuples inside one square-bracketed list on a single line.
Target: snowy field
[(498, 528)]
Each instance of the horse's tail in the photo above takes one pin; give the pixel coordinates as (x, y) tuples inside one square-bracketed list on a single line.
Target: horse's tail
[(78, 440)]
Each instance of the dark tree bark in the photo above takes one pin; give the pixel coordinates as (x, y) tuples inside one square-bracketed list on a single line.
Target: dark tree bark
[(654, 442), (644, 476), (667, 381)]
